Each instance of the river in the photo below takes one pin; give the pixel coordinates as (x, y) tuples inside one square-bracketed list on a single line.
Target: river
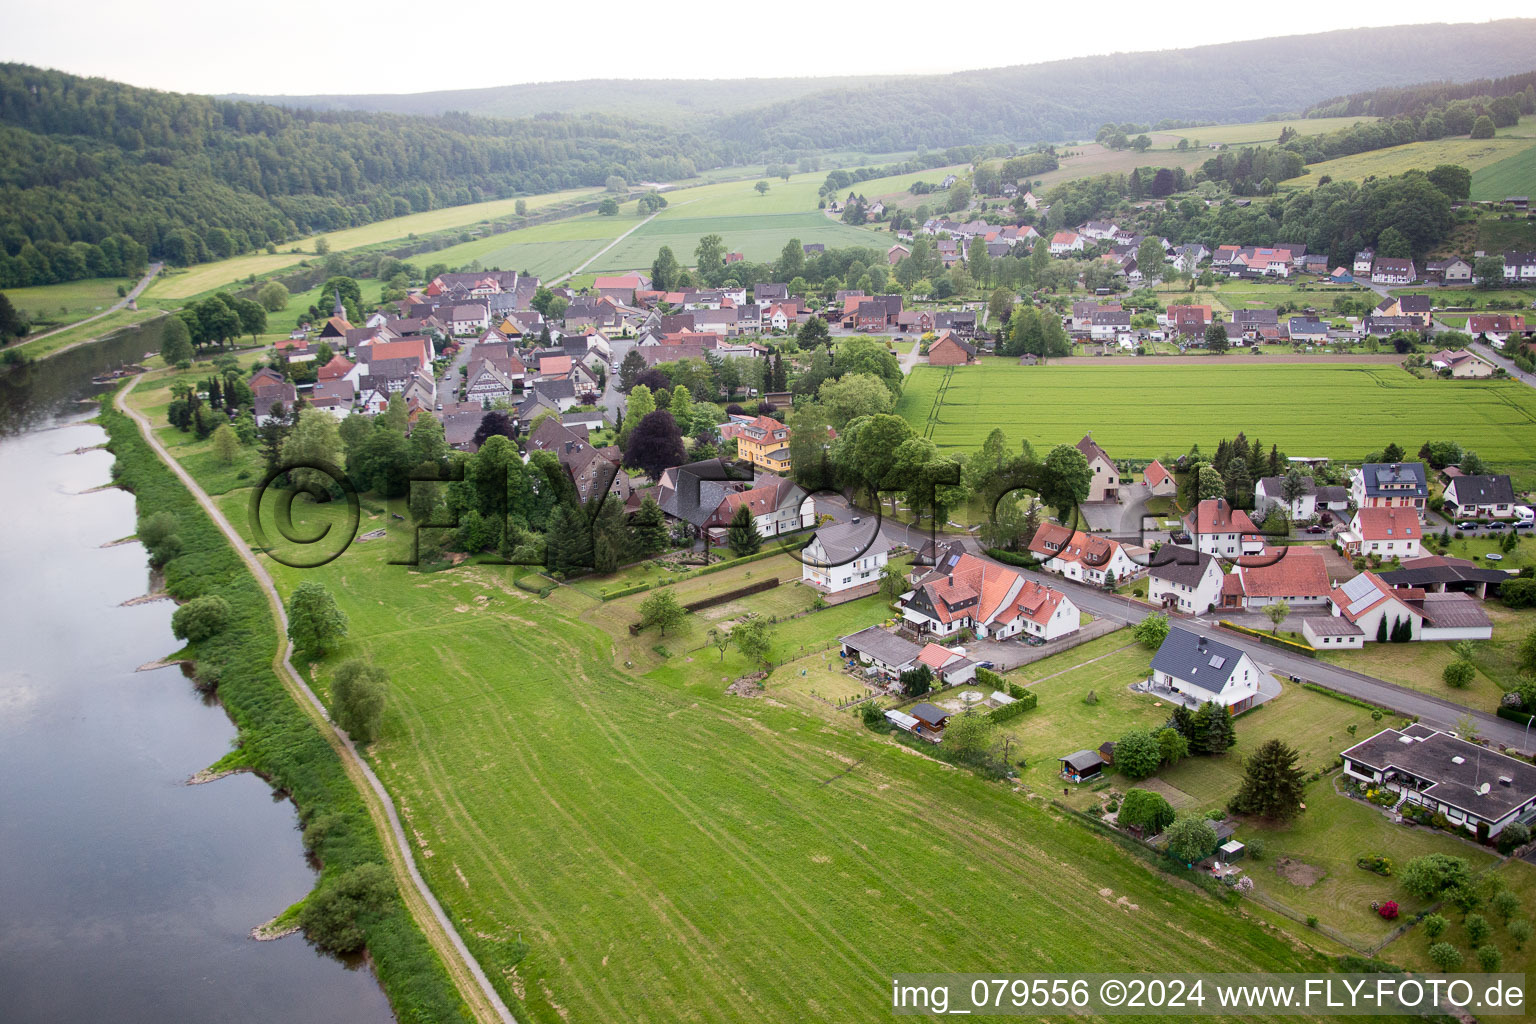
[(125, 894)]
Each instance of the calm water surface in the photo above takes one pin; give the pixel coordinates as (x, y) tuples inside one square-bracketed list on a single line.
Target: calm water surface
[(125, 894)]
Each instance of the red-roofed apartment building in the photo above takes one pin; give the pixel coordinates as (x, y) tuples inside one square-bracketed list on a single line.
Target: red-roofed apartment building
[(962, 591)]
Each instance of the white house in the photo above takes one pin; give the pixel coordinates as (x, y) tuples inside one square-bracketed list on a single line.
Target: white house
[(1270, 491), (1085, 557), (1203, 669), (1216, 528), (1105, 485), (1184, 580), (1485, 496), (1364, 260), (845, 558), (1374, 609), (1390, 270), (962, 592), (1472, 786), (469, 318), (1388, 532)]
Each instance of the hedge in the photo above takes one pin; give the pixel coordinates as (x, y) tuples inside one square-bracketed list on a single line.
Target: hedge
[(731, 595), (1356, 701), (1514, 715), (1272, 640), (536, 584), (640, 588), (277, 740), (1008, 712), (1014, 558)]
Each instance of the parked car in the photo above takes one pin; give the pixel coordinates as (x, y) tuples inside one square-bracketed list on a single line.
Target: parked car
[(1317, 529), (1498, 526), (1525, 524), (1466, 526)]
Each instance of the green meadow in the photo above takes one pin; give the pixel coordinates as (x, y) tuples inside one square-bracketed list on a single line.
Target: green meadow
[(1478, 155), (655, 842), (63, 303), (1147, 411)]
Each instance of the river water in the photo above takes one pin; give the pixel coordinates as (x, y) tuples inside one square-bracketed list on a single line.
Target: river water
[(125, 894)]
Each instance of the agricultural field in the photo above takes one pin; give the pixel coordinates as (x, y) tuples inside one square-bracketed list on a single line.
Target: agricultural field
[(1257, 133), (666, 845), (760, 237), (1474, 154), (1147, 411), (211, 276), (64, 303), (1090, 159), (1514, 175)]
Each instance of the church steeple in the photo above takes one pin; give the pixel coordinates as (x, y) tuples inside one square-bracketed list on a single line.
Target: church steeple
[(339, 309)]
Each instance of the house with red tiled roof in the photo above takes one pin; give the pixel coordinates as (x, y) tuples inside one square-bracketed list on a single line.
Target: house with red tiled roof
[(991, 600), (1388, 532), (950, 668), (339, 368), (1217, 528), (1296, 575), (1063, 242), (1158, 480), (1084, 556), (1105, 485), (949, 350), (776, 505), (554, 367)]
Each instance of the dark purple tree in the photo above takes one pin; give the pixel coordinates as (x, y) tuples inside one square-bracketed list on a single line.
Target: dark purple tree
[(655, 445), (493, 423)]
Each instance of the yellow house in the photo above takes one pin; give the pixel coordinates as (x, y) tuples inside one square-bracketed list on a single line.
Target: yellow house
[(765, 443)]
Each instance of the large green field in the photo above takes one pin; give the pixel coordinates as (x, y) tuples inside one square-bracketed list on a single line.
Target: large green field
[(1255, 133), (1510, 144), (659, 844), (66, 302), (1148, 411), (209, 276), (1515, 175)]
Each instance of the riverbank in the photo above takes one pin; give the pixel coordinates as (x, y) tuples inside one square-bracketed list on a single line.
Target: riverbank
[(278, 741)]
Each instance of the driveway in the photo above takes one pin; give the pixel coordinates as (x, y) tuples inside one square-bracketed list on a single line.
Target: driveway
[(1119, 518)]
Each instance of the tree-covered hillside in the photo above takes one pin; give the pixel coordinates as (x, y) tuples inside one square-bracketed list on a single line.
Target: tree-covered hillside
[(89, 168), (1231, 82)]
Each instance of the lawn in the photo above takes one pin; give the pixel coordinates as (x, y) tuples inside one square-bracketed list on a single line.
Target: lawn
[(65, 303), (86, 332), (1515, 175), (1309, 864), (1474, 154), (210, 276), (1258, 133), (1421, 665), (1149, 411)]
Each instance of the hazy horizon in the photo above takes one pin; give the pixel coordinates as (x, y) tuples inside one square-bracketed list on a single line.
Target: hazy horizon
[(182, 47)]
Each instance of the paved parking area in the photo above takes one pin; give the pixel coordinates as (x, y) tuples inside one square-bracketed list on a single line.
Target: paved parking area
[(1010, 654)]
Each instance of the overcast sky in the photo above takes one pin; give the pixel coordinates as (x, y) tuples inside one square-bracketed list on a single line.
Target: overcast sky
[(372, 46)]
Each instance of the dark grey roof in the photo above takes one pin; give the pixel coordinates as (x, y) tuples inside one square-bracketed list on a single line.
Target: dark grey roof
[(1484, 489), (1082, 761), (1449, 570), (1383, 479), (1274, 486), (883, 646), (843, 542), (1196, 658), (929, 714), (771, 292), (1255, 316), (1331, 625), (555, 389), (698, 488), (1452, 611), (1432, 755), (1328, 494), (1180, 565)]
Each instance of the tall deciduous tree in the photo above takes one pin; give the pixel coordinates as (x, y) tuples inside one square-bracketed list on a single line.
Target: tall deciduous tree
[(314, 621), (655, 444), (358, 695)]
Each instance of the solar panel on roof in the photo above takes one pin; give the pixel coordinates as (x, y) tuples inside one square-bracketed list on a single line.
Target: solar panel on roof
[(1217, 661)]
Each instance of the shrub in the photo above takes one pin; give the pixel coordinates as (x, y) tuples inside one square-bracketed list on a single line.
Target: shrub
[(1458, 674), (1191, 838), (200, 618), (1490, 959), (1146, 810), (1376, 862), (1090, 698), (357, 694), (1138, 754), (158, 535), (1256, 849), (1434, 926), (1311, 920), (1519, 930), (1515, 835), (1388, 910), (1433, 874), (1445, 956), (333, 914)]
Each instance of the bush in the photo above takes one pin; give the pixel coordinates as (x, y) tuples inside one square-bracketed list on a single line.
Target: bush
[(1146, 810), (158, 535), (1478, 929), (1388, 910), (334, 914), (357, 696), (1434, 874), (200, 618), (1138, 754), (1376, 862), (1515, 835), (1311, 920), (1490, 959), (1256, 849), (1434, 926), (1458, 674)]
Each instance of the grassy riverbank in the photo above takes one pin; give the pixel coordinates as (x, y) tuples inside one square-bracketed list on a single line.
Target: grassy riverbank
[(277, 740)]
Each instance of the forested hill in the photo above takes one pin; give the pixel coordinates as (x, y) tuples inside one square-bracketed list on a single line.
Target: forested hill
[(664, 101), (1069, 99), (95, 175)]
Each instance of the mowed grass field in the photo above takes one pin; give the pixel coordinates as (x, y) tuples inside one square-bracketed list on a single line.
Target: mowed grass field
[(67, 302), (1515, 175), (1475, 154), (209, 276), (1147, 411), (658, 844), (1255, 133)]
